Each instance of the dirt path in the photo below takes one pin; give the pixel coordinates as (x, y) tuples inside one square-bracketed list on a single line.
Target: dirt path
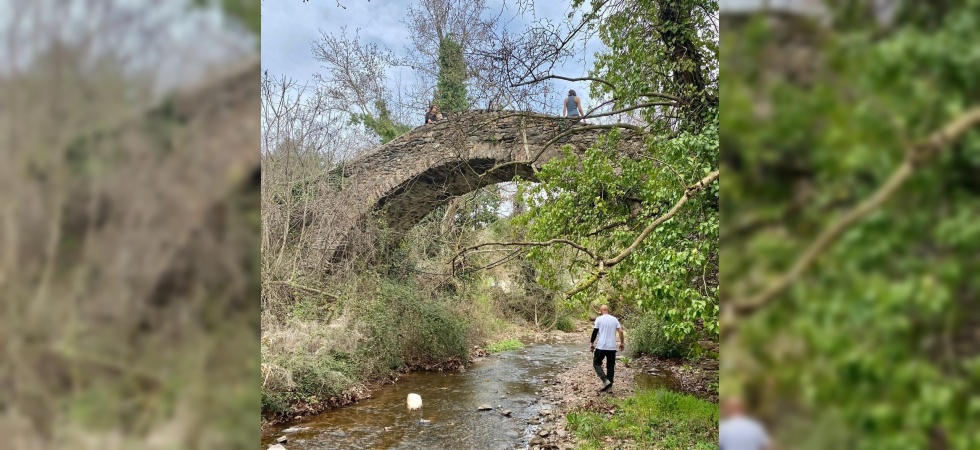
[(576, 389)]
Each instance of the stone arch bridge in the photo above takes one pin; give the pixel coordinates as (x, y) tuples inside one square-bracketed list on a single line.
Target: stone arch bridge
[(407, 178)]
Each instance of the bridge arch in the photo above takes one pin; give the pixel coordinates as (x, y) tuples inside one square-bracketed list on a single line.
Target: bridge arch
[(407, 178)]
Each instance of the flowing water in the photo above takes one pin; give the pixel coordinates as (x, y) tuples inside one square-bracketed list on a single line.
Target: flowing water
[(508, 381)]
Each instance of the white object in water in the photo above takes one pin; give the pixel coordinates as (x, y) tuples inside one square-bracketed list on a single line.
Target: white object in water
[(414, 402), (276, 447)]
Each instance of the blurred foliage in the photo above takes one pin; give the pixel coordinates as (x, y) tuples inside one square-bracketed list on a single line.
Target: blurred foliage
[(246, 13), (604, 198), (877, 339)]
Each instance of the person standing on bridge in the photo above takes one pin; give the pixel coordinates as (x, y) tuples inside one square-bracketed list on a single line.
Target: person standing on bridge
[(572, 108), (606, 328)]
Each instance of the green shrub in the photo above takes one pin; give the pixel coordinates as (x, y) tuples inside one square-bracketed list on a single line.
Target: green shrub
[(402, 324), (565, 324), (505, 345), (647, 337)]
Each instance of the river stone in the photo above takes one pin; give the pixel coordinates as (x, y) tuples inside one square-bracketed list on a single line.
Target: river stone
[(536, 441), (282, 439), (534, 421), (294, 429), (544, 433), (506, 412), (484, 408), (276, 447), (545, 412)]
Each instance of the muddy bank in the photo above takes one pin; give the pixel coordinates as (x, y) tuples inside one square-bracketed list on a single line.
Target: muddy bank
[(304, 410), (695, 377)]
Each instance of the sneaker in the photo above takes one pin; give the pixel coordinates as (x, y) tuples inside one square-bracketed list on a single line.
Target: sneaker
[(606, 386)]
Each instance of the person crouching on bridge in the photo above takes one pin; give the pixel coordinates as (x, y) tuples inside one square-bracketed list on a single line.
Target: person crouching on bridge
[(606, 328), (572, 108), (433, 115)]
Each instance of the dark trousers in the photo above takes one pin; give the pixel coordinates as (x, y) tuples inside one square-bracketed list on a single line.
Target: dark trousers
[(610, 356)]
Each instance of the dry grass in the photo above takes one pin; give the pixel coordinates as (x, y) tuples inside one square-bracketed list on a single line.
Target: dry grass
[(128, 260)]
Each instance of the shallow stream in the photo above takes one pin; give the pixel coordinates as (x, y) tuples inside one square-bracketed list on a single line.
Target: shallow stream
[(450, 401)]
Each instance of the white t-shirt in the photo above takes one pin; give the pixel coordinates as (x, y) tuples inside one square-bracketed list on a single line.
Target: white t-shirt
[(607, 325), (742, 433)]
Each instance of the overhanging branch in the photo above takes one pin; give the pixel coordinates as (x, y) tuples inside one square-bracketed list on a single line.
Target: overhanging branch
[(915, 156)]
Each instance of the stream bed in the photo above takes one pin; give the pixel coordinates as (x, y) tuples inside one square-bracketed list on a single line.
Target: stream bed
[(450, 401)]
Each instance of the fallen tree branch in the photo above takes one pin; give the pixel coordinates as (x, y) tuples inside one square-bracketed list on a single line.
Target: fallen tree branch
[(603, 264), (688, 193), (628, 109), (915, 156), (548, 243), (663, 95)]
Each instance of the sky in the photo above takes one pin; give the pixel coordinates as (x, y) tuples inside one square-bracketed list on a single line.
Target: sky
[(290, 26), (174, 42)]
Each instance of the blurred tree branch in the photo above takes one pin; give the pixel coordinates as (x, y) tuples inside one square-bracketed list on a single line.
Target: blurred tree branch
[(915, 157)]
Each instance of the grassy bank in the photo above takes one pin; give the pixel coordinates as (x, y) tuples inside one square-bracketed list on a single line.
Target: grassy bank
[(505, 345), (659, 419), (322, 351)]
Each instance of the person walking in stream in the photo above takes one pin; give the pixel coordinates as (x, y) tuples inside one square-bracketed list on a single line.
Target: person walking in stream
[(603, 345)]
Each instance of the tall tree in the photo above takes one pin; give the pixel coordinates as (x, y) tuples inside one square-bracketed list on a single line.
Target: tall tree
[(645, 224), (355, 82), (451, 86)]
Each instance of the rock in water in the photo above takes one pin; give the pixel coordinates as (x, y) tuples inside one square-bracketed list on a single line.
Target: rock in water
[(414, 401), (484, 408), (282, 439), (276, 447)]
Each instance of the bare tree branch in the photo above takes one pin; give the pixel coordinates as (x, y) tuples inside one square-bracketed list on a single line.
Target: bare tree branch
[(559, 77)]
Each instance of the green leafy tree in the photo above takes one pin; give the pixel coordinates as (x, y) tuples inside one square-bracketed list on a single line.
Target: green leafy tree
[(381, 123), (645, 225), (851, 218)]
